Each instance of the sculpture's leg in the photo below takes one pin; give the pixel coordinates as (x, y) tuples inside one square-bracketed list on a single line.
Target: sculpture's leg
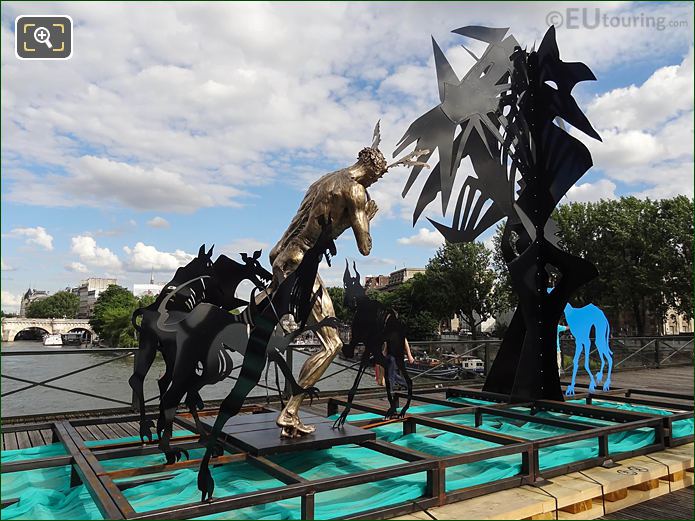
[(599, 374), (353, 390), (383, 361), (170, 401), (607, 383), (195, 403), (275, 356), (587, 367), (400, 363), (254, 363), (575, 365), (316, 365), (169, 356), (143, 362)]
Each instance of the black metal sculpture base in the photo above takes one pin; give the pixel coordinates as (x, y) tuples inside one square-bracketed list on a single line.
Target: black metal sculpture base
[(258, 434)]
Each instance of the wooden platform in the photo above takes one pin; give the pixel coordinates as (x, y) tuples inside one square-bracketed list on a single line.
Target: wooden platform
[(676, 379), (258, 434), (589, 494), (34, 438), (678, 505)]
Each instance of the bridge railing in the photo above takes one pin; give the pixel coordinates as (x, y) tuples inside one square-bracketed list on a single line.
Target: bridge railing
[(31, 385), (628, 352)]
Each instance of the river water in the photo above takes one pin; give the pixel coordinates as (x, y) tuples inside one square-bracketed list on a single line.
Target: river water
[(111, 379)]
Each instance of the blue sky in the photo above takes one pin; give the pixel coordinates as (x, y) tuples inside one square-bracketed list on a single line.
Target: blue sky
[(174, 125)]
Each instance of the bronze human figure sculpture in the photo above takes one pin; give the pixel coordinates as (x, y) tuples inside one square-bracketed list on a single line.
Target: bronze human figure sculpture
[(342, 198)]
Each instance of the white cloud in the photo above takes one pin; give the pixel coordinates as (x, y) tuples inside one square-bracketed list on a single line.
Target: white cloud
[(667, 92), (37, 236), (97, 181), (647, 133), (424, 237), (10, 301), (145, 258), (158, 222), (5, 267), (588, 192), (86, 249), (77, 267), (178, 128)]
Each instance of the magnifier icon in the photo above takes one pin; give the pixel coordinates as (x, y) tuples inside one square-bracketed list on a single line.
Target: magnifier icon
[(43, 35)]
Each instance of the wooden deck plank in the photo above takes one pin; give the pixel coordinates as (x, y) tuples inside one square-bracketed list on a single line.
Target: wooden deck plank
[(47, 435), (35, 438), (119, 430), (9, 440), (86, 435), (674, 379), (23, 441), (108, 432), (130, 427), (94, 430)]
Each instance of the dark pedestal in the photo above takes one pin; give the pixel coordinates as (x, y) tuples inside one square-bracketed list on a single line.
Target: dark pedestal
[(259, 435)]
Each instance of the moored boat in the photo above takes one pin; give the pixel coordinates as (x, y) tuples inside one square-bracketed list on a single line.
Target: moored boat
[(433, 368), (53, 340)]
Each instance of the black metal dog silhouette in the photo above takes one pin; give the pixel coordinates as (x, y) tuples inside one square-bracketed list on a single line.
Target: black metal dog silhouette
[(202, 281), (205, 339), (373, 325), (293, 296)]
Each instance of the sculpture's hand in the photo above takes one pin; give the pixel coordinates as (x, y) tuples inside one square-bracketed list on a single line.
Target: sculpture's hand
[(341, 420), (365, 244), (174, 455), (371, 209), (311, 392)]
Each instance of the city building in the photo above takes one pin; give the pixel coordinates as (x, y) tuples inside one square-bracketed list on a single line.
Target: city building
[(89, 291), (140, 290), (677, 324), (389, 282), (31, 295), (152, 289), (376, 282), (404, 274)]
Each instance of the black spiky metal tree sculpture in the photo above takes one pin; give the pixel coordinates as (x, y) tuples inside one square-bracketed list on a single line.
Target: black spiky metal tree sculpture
[(511, 108)]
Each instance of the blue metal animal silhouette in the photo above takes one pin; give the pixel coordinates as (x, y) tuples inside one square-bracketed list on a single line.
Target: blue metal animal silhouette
[(581, 321)]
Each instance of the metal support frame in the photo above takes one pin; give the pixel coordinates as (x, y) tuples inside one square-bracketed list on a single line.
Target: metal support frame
[(85, 461)]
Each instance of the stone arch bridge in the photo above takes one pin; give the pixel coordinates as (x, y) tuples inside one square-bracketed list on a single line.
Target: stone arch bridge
[(12, 326)]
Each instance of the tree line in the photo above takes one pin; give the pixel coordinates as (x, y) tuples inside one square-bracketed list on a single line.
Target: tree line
[(641, 247)]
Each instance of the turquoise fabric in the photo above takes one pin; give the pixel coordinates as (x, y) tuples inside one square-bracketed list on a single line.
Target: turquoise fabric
[(42, 451), (559, 454), (684, 427), (417, 409), (442, 443)]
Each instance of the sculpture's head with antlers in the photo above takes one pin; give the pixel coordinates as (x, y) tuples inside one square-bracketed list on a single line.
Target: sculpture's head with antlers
[(372, 164)]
